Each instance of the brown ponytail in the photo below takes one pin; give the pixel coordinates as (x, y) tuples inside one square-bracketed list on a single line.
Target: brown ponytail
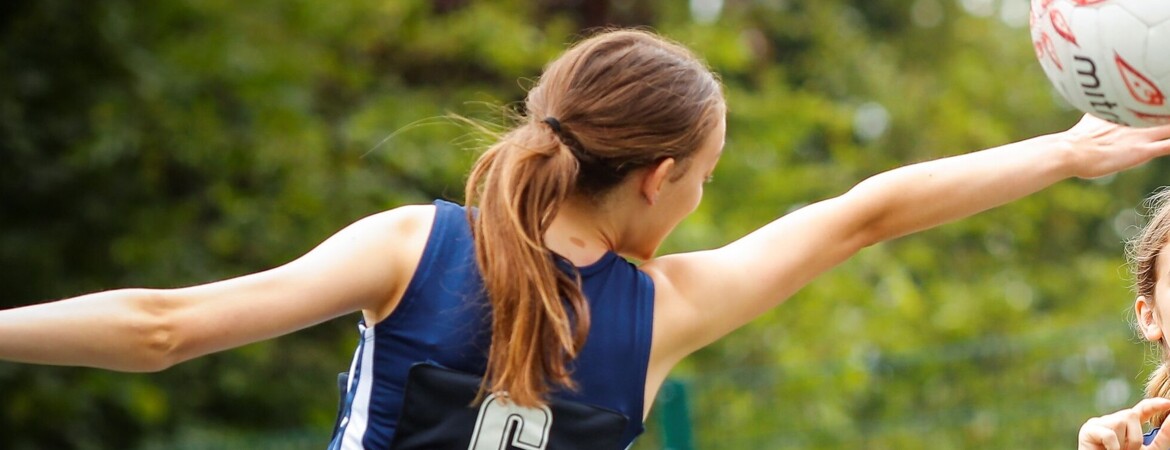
[(614, 103), (1143, 252), (525, 178)]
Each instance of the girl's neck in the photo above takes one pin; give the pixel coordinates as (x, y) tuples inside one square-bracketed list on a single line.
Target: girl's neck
[(580, 233)]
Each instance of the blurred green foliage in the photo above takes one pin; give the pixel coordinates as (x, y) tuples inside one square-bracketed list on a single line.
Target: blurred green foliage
[(170, 143)]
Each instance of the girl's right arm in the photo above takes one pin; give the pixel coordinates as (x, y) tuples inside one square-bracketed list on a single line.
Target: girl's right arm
[(365, 266)]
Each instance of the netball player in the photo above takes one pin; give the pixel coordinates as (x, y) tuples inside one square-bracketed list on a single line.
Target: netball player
[(518, 322)]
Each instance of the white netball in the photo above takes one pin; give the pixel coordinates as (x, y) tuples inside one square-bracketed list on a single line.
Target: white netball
[(1108, 58)]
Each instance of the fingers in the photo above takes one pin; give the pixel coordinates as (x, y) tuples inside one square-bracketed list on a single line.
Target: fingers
[(1159, 132), (1103, 148), (1133, 428), (1154, 137), (1141, 413), (1161, 440), (1092, 123), (1096, 435), (1122, 430), (1155, 149), (1157, 138), (1148, 408)]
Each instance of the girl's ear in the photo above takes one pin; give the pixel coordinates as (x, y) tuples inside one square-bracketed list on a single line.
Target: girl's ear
[(1148, 320), (654, 178)]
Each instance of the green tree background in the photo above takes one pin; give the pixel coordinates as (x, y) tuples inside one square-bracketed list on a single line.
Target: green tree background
[(170, 143)]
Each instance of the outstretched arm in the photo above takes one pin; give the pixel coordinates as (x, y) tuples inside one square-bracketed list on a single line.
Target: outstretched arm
[(365, 266), (708, 294)]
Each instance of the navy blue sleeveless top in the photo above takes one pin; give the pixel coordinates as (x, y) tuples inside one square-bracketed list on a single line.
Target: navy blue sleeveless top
[(444, 319)]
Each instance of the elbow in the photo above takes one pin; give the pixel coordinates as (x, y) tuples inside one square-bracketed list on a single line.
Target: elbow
[(159, 357), (872, 220), (873, 233), (156, 346)]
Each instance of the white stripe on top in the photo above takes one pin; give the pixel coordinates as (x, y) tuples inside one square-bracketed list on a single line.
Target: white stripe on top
[(357, 418)]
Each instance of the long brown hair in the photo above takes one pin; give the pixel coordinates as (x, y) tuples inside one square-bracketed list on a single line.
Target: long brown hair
[(1144, 250), (613, 103)]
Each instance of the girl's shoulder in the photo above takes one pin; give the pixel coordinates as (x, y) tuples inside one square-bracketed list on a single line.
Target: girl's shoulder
[(400, 236)]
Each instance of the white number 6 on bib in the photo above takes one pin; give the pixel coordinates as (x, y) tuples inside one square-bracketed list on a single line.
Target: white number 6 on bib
[(498, 417)]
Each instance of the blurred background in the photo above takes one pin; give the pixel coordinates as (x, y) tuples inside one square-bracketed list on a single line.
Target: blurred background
[(168, 143)]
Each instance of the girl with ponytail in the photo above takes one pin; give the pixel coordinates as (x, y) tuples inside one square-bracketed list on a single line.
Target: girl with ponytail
[(517, 320)]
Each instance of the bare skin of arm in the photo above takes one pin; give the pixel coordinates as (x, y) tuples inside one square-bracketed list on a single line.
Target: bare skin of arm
[(365, 266), (702, 296)]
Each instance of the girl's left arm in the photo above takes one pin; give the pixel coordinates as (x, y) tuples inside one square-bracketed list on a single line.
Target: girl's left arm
[(365, 266), (710, 293)]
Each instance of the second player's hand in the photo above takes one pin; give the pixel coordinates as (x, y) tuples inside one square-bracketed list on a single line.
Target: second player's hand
[(1122, 430)]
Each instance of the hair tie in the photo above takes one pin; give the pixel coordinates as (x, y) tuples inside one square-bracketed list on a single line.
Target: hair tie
[(553, 123), (570, 142)]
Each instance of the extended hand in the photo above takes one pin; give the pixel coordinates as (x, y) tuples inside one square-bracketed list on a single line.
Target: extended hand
[(1101, 148)]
